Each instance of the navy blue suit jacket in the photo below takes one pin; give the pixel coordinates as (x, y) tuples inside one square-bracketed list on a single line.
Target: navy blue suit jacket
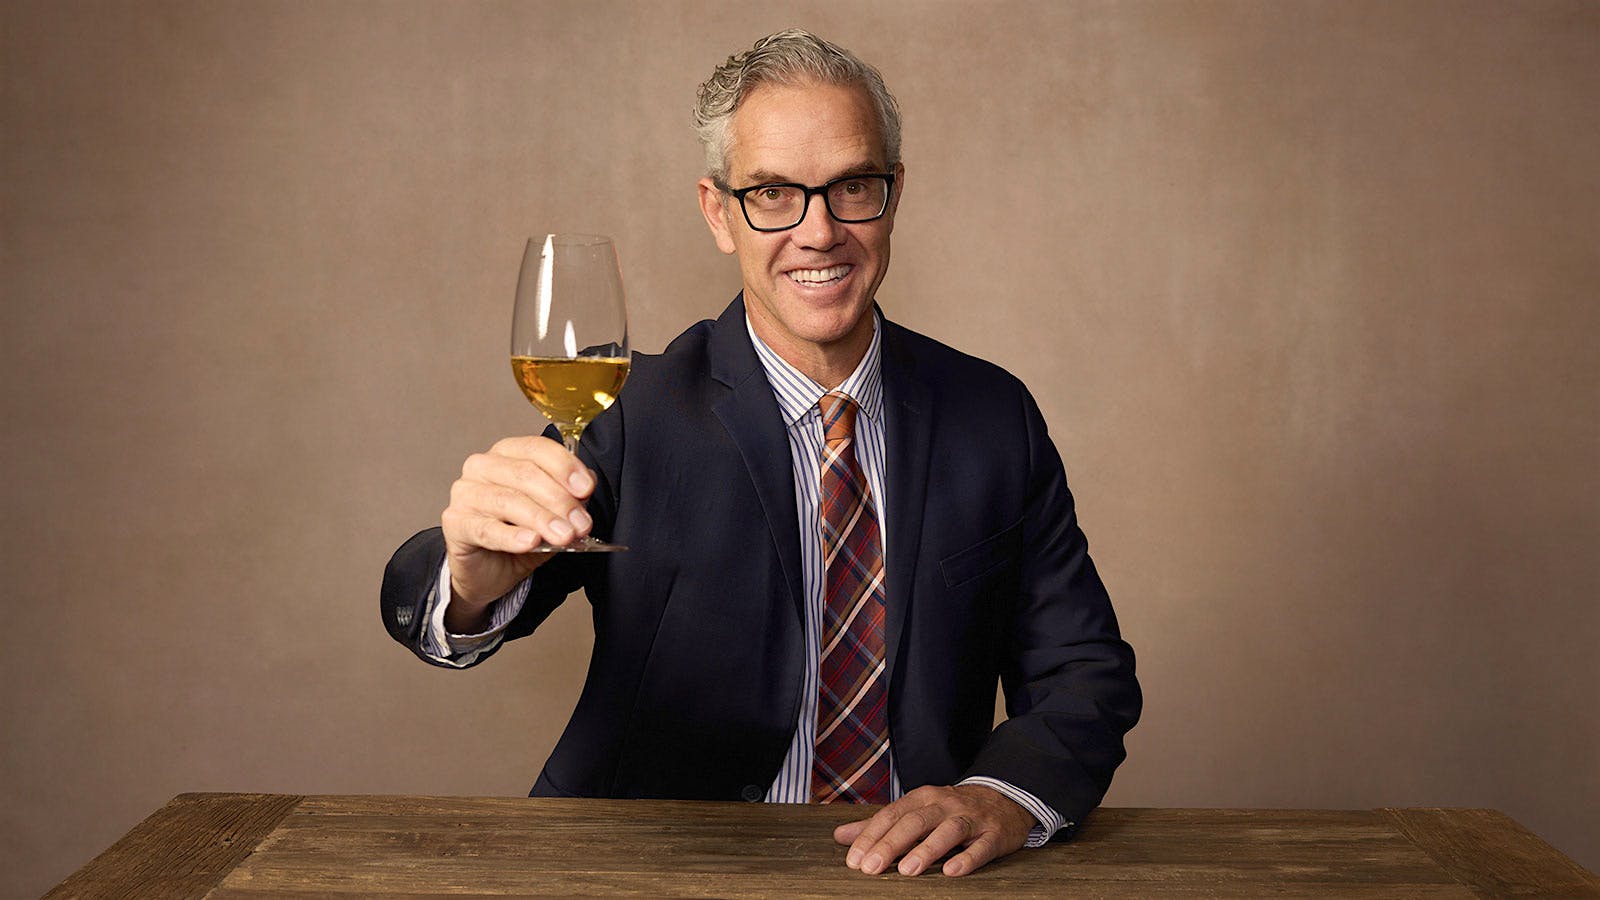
[(695, 681)]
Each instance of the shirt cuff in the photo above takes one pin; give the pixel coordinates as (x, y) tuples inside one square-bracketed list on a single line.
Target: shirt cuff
[(1049, 821), (462, 650)]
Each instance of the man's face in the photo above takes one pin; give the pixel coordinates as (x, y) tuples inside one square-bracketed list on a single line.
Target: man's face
[(808, 290)]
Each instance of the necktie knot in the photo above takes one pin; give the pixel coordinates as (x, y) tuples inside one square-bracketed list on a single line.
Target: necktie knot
[(838, 416)]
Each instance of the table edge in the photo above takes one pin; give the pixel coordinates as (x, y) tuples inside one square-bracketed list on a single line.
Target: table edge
[(183, 849), (189, 845), (1490, 852)]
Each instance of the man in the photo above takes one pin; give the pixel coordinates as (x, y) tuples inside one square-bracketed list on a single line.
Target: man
[(842, 533)]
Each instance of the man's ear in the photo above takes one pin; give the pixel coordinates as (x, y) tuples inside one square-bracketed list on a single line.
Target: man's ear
[(715, 209), (899, 188)]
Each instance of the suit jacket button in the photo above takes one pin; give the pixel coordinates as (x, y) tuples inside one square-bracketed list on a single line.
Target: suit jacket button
[(752, 792)]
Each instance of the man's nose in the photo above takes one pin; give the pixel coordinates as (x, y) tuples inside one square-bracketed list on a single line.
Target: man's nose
[(818, 230)]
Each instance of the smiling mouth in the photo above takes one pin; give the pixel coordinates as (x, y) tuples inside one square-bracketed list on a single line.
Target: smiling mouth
[(820, 276)]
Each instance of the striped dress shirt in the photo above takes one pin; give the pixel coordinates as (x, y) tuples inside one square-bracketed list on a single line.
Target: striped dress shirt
[(797, 397)]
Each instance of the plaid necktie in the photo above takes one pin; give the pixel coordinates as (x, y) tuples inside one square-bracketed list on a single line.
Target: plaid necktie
[(852, 751)]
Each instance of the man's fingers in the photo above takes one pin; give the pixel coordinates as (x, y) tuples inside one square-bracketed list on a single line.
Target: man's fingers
[(551, 512), (493, 535), (544, 453), (977, 855), (907, 830), (534, 493), (531, 483), (946, 836), (562, 478), (477, 531), (526, 446), (846, 833), (871, 831)]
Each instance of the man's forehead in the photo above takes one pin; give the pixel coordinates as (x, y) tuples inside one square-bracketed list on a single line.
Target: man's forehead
[(796, 132)]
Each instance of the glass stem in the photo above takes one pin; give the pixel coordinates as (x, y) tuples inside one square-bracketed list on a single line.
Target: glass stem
[(569, 437)]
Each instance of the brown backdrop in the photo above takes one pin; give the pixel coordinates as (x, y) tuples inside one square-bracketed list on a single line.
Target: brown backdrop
[(1307, 291)]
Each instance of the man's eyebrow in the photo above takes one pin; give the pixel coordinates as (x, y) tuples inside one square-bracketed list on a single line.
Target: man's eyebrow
[(861, 168), (763, 176), (766, 176)]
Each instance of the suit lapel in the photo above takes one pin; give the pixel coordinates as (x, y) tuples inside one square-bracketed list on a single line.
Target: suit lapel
[(750, 414), (908, 421)]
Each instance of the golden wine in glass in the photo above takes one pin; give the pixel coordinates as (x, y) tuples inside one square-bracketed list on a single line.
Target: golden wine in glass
[(569, 339)]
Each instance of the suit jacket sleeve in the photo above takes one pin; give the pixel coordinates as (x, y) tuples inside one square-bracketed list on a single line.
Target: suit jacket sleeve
[(1067, 674)]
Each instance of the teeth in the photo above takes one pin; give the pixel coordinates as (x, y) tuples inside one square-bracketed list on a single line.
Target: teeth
[(816, 276)]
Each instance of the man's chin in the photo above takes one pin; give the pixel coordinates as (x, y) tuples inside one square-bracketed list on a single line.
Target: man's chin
[(815, 320), (835, 326), (834, 337)]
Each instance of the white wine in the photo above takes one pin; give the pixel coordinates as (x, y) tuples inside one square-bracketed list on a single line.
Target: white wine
[(570, 392)]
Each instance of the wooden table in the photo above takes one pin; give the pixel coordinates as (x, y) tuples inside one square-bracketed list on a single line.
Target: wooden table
[(256, 845)]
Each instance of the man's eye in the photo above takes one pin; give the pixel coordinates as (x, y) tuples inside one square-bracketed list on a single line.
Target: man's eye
[(854, 187), (772, 194)]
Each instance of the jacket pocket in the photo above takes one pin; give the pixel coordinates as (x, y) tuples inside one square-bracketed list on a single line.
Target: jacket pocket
[(993, 552)]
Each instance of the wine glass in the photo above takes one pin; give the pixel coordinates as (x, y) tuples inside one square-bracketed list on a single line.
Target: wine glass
[(569, 339)]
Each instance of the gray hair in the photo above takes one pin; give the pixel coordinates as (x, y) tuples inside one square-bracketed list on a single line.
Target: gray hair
[(790, 57)]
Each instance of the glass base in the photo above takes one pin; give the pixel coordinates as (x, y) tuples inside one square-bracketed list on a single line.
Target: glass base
[(581, 545)]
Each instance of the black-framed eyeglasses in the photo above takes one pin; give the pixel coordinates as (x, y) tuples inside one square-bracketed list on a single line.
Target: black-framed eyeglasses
[(780, 206)]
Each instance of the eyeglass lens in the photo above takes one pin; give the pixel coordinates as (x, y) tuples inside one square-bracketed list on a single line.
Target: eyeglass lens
[(848, 199)]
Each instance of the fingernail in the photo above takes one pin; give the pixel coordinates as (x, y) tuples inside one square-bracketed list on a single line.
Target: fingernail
[(907, 867), (562, 529), (853, 859), (872, 865), (579, 481), (527, 537)]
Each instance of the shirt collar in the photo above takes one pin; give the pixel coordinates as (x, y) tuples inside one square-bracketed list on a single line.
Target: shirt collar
[(797, 394)]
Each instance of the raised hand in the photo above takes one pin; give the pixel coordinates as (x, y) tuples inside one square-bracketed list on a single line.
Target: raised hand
[(521, 491)]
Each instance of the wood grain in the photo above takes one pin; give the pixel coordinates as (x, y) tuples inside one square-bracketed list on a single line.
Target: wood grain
[(253, 846), (1492, 852), (182, 849), (428, 846)]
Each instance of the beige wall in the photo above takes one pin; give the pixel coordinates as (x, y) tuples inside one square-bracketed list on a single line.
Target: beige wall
[(1307, 291)]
